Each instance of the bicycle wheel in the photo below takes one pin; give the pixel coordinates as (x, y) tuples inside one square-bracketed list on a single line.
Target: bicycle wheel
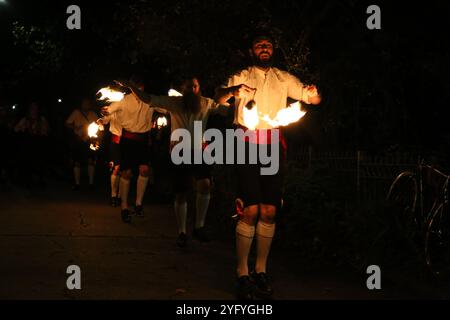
[(437, 241), (402, 200)]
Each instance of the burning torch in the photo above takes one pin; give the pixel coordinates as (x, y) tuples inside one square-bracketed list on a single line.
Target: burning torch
[(108, 94), (93, 129), (161, 122)]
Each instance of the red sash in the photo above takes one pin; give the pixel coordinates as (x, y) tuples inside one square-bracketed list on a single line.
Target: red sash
[(264, 136), (115, 138), (135, 136)]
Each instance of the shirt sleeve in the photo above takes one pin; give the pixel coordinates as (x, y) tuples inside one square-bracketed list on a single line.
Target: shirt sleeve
[(106, 119), (115, 106), (171, 104), (296, 89), (211, 104), (159, 110)]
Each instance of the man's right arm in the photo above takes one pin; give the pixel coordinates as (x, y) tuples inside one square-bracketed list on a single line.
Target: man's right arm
[(224, 94), (141, 95)]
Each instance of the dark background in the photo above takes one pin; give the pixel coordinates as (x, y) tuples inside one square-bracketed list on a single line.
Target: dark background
[(385, 92), (382, 89)]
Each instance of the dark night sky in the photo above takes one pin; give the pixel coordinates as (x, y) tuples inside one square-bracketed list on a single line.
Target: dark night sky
[(413, 36)]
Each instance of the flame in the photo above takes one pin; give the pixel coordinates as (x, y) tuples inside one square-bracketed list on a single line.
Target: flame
[(174, 93), (110, 95), (286, 116), (251, 118), (161, 122), (94, 147), (93, 130)]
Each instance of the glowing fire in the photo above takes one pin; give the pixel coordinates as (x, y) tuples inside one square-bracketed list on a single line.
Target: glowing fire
[(161, 122), (251, 118), (92, 133), (174, 93), (93, 130), (286, 116), (110, 95)]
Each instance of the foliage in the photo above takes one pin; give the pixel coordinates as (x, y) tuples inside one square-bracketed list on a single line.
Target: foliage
[(39, 51)]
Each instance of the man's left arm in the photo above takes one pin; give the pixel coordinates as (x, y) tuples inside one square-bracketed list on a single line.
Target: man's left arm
[(298, 91), (217, 108)]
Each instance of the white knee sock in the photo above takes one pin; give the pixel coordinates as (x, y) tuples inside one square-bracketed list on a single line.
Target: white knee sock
[(202, 204), (91, 172), (244, 238), (141, 186), (124, 189), (115, 181), (77, 174), (264, 236), (181, 215)]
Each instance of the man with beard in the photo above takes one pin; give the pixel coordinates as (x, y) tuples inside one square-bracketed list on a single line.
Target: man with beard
[(135, 120), (184, 111), (259, 196)]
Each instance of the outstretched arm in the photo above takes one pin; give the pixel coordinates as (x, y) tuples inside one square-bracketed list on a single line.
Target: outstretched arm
[(224, 94), (313, 95), (141, 95)]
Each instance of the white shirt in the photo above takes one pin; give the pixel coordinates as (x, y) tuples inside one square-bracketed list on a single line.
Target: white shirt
[(134, 115), (179, 116), (35, 127), (81, 121), (114, 123), (272, 91)]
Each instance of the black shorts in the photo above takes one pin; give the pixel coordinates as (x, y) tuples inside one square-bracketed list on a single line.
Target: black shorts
[(255, 188), (80, 151), (183, 175), (133, 153), (114, 153)]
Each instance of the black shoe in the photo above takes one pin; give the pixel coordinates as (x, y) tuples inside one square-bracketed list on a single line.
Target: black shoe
[(114, 202), (139, 211), (76, 187), (201, 235), (245, 288), (182, 240), (263, 285), (126, 216)]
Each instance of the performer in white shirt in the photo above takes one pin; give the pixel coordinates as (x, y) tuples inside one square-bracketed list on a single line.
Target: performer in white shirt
[(135, 120), (260, 195), (184, 111), (78, 122)]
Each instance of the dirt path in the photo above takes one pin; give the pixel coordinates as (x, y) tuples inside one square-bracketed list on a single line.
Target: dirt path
[(43, 232)]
